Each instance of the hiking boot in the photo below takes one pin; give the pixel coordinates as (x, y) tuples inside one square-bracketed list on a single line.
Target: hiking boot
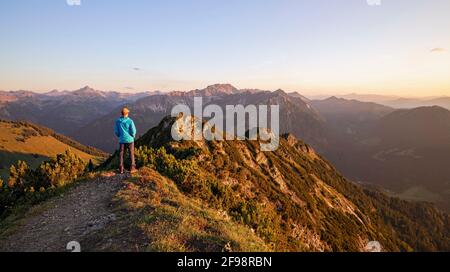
[(133, 169), (121, 170)]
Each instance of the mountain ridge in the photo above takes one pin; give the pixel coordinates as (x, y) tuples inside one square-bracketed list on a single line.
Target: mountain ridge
[(298, 191)]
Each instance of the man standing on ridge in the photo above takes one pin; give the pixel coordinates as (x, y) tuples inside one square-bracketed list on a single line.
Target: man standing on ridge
[(125, 130)]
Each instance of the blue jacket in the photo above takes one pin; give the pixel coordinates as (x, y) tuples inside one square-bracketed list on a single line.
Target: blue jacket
[(125, 130)]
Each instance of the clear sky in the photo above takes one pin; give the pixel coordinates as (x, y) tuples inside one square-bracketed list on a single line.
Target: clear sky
[(400, 47)]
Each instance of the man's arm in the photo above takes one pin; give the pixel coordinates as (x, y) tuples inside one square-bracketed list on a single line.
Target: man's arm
[(132, 129), (116, 129)]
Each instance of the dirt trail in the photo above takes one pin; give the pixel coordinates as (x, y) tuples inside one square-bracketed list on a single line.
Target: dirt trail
[(82, 210)]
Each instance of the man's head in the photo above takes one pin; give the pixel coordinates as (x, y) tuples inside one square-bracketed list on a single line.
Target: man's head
[(125, 112)]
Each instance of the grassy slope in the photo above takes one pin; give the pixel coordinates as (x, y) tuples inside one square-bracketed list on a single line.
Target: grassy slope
[(153, 215), (32, 148)]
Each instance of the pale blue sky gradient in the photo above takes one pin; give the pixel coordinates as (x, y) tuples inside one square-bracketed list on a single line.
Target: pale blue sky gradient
[(314, 46)]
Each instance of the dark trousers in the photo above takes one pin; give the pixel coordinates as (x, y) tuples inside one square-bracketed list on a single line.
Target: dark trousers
[(130, 147)]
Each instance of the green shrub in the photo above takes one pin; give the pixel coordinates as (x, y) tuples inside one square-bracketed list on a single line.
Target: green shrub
[(26, 185), (58, 172), (186, 174)]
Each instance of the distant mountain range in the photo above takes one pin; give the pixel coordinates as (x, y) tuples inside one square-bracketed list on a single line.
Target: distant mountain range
[(63, 111), (346, 118), (443, 102), (298, 116), (397, 101)]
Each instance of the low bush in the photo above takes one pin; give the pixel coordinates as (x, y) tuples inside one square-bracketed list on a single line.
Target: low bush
[(28, 186)]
